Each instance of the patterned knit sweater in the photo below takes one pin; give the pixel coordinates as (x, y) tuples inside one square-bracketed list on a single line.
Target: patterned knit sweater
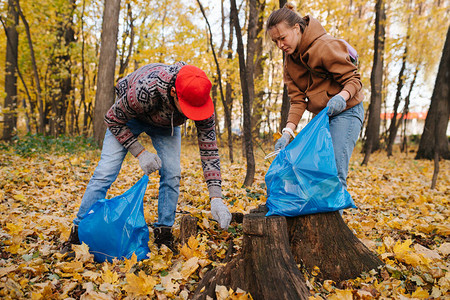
[(145, 95)]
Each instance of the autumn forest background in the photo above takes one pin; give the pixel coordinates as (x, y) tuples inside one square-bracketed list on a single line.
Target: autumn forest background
[(60, 60)]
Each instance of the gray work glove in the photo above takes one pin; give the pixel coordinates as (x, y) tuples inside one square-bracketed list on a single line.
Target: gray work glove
[(149, 162), (336, 105), (283, 141), (220, 212)]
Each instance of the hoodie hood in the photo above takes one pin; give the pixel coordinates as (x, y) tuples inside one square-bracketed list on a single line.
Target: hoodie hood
[(312, 32)]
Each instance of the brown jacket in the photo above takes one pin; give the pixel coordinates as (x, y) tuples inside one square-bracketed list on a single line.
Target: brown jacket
[(323, 54)]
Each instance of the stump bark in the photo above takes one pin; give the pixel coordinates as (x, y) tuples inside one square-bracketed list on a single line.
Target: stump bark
[(325, 241), (264, 268), (188, 228)]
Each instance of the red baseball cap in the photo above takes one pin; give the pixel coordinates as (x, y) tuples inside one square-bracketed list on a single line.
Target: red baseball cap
[(193, 91)]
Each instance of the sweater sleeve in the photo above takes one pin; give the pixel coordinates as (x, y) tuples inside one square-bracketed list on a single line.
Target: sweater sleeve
[(297, 99), (209, 154), (336, 60), (116, 119)]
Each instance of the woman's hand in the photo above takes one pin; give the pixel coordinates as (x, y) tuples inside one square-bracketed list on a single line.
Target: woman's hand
[(336, 105), (283, 141)]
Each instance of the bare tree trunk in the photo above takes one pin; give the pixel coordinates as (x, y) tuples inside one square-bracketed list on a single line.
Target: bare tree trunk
[(12, 44), (125, 60), (434, 137), (272, 93), (228, 104), (219, 71), (258, 74), (104, 96), (62, 72), (285, 106), (436, 167), (248, 141), (376, 82), (393, 127), (285, 101), (222, 28), (214, 100), (251, 49), (406, 111), (27, 92), (40, 103), (83, 71)]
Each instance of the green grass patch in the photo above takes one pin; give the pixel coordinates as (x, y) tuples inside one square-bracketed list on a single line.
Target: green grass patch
[(35, 144)]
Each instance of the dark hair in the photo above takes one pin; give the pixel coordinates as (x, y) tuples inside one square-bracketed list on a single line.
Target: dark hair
[(285, 14)]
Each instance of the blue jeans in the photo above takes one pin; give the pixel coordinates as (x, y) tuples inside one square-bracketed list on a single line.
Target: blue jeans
[(168, 148), (345, 128)]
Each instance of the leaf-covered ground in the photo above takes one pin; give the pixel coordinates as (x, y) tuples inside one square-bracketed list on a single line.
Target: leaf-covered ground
[(398, 217)]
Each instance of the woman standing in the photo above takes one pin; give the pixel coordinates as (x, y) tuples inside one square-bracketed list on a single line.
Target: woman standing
[(318, 73)]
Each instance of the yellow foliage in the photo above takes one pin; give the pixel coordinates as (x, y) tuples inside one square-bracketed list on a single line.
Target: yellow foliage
[(141, 285), (129, 263), (82, 253), (328, 285), (69, 267), (14, 229), (193, 249), (189, 267), (109, 276), (159, 262), (404, 253), (276, 136), (391, 195), (341, 295), (170, 285), (420, 294)]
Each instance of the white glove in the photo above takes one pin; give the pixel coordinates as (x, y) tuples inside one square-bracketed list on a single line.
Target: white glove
[(220, 212), (283, 141), (149, 162), (336, 105)]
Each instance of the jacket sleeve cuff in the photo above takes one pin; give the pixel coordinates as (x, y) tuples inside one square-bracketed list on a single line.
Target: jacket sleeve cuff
[(294, 118), (136, 148), (215, 191), (351, 89)]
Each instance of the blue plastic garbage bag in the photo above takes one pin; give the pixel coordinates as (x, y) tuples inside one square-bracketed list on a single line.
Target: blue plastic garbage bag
[(116, 228), (303, 179)]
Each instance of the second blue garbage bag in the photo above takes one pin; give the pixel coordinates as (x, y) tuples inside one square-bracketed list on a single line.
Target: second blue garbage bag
[(303, 179), (116, 227)]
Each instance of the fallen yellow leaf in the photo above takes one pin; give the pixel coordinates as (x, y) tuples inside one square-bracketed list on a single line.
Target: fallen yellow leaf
[(189, 267), (141, 285), (129, 263), (82, 253)]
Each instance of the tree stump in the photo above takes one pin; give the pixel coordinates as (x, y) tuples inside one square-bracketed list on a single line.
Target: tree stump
[(325, 241), (264, 268), (237, 217), (188, 228)]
